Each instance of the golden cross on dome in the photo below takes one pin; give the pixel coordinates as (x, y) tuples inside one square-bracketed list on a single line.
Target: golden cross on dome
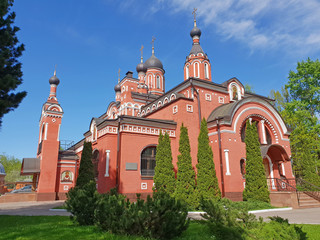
[(119, 75), (141, 50), (153, 38), (55, 70), (194, 16)]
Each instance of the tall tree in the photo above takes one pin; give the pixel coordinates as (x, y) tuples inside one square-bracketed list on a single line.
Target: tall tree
[(302, 115), (12, 166), (86, 170), (256, 183), (249, 88), (164, 175), (10, 67), (207, 182), (281, 98), (185, 184)]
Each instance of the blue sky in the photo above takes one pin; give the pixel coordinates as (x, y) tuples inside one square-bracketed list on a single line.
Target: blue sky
[(257, 41)]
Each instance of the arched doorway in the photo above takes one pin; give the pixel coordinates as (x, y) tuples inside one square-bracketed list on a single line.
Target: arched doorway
[(274, 158)]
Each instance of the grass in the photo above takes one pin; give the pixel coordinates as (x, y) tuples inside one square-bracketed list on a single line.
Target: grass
[(60, 227)]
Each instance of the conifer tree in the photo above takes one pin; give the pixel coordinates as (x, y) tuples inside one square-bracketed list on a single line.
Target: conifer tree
[(164, 176), (256, 183), (185, 185), (10, 67), (207, 182), (86, 170)]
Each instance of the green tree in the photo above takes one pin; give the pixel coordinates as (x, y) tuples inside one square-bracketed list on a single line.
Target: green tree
[(185, 184), (256, 183), (10, 67), (248, 88), (207, 182), (86, 170), (281, 98), (12, 166), (164, 175), (301, 113)]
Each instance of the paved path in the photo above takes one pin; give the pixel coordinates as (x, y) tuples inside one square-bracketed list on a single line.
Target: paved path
[(305, 216)]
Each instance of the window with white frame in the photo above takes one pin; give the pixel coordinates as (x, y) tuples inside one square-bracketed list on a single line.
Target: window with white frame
[(208, 97)]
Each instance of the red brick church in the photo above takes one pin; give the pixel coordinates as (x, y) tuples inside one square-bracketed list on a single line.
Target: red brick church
[(125, 137)]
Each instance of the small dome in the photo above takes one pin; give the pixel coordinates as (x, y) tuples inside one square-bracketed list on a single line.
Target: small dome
[(154, 62), (2, 171), (141, 67), (117, 88), (195, 32), (54, 80)]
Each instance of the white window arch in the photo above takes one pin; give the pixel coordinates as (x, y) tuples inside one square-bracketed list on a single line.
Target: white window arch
[(206, 70), (187, 71), (196, 69)]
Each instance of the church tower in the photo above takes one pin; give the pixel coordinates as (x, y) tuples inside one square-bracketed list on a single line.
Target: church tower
[(154, 78), (197, 64), (49, 143)]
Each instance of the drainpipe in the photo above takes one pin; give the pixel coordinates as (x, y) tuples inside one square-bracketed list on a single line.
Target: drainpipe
[(199, 105), (118, 155), (220, 155)]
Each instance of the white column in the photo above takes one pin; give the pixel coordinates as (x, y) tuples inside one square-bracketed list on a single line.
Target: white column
[(226, 155), (58, 132), (45, 131), (271, 172), (107, 163), (283, 172), (263, 131)]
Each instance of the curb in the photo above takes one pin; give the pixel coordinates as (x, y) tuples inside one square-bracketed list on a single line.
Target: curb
[(256, 211), (58, 210)]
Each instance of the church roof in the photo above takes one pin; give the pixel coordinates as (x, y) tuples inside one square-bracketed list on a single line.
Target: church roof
[(196, 48)]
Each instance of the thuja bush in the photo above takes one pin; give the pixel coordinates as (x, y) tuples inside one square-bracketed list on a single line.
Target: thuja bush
[(160, 217), (82, 202), (228, 222)]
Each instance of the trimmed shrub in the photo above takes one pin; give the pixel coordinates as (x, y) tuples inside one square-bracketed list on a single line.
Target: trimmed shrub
[(256, 183), (86, 170), (207, 181), (164, 175), (186, 184), (161, 217), (82, 202)]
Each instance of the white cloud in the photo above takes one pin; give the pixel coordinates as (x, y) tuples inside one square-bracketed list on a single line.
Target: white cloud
[(289, 25)]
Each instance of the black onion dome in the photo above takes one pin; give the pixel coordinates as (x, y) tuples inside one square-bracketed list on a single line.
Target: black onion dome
[(54, 80), (154, 62), (117, 88), (195, 32), (141, 67)]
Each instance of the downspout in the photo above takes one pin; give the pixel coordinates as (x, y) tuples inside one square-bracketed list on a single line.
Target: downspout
[(199, 105), (220, 155), (118, 155)]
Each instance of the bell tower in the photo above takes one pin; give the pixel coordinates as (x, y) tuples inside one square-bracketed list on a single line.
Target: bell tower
[(49, 143), (197, 63)]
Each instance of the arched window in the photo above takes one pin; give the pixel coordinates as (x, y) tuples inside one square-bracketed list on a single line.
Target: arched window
[(206, 70), (234, 93), (196, 70), (243, 168), (95, 162), (187, 71), (158, 81), (268, 136), (148, 161)]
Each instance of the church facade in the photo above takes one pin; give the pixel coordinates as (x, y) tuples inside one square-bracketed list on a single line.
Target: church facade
[(124, 138)]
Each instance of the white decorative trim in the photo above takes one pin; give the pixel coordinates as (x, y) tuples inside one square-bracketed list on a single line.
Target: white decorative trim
[(208, 97), (107, 163), (58, 132), (221, 100), (226, 155), (189, 108), (144, 186), (264, 139), (175, 109), (45, 131), (283, 171)]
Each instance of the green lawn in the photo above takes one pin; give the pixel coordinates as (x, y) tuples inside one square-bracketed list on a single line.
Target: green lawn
[(59, 227)]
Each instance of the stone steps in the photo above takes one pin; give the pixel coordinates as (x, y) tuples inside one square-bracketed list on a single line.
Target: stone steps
[(305, 201)]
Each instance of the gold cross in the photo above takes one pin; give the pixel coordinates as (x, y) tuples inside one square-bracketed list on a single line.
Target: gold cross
[(141, 50), (153, 38), (119, 75), (194, 13)]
